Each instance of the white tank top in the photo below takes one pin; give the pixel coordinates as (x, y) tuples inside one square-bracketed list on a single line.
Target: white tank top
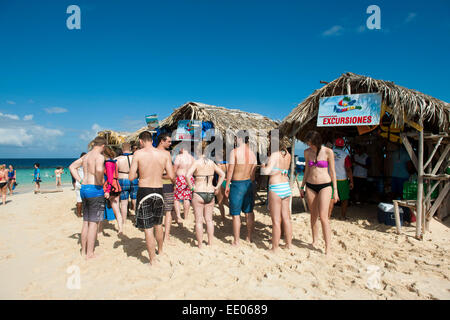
[(359, 171), (339, 163)]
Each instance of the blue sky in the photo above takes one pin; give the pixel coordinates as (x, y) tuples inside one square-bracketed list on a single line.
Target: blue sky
[(132, 58)]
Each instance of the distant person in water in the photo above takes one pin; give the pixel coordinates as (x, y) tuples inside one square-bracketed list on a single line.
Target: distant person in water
[(241, 176), (150, 163), (182, 163), (37, 178), (92, 194), (58, 172), (11, 179), (3, 182), (203, 170), (78, 188)]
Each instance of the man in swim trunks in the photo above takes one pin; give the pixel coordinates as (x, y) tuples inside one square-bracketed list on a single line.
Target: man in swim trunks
[(344, 176), (164, 143), (124, 164), (150, 164), (241, 174), (92, 194), (182, 163)]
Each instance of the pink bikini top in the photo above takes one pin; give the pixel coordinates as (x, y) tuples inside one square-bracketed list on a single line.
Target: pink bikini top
[(318, 164)]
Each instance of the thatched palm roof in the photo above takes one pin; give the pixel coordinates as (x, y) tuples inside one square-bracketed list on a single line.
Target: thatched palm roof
[(405, 104), (223, 119), (113, 138)]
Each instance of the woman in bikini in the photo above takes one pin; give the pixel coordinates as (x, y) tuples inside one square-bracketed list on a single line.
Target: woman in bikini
[(58, 173), (3, 182), (319, 176), (203, 170), (279, 195)]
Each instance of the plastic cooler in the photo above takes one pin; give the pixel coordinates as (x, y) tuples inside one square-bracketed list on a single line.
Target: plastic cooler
[(386, 214)]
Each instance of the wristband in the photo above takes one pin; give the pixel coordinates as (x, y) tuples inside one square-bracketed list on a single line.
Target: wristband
[(81, 181)]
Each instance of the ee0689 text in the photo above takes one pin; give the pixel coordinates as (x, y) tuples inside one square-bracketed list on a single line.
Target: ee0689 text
[(236, 309)]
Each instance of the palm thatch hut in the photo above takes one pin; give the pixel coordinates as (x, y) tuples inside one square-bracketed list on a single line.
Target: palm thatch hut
[(224, 120), (406, 105), (419, 116)]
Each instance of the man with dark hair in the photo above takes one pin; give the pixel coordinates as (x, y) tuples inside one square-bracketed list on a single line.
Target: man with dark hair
[(241, 175), (92, 193), (164, 143), (150, 164), (37, 178)]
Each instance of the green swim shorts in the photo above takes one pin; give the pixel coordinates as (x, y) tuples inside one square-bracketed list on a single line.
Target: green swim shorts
[(343, 187)]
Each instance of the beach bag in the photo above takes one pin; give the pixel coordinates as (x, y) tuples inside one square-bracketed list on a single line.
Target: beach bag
[(109, 213)]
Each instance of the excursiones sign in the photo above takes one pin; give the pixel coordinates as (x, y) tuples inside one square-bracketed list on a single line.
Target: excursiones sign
[(350, 110)]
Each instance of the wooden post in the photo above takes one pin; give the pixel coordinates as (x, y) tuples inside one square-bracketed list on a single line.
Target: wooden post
[(397, 217), (419, 204)]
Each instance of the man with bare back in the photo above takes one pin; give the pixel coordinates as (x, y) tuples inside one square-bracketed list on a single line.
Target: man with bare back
[(241, 175), (182, 163), (92, 194), (149, 163)]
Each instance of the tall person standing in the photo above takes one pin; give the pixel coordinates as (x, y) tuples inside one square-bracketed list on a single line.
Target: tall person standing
[(319, 177), (241, 176), (92, 194), (149, 163)]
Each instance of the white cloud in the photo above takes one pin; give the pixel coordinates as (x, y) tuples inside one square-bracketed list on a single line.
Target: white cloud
[(9, 116), (28, 117), (88, 135), (55, 110), (23, 134), (10, 102), (333, 31), (411, 16)]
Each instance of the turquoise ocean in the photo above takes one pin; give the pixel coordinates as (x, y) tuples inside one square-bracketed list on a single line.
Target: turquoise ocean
[(25, 169)]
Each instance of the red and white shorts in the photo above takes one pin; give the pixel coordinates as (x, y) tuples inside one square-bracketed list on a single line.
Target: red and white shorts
[(182, 191)]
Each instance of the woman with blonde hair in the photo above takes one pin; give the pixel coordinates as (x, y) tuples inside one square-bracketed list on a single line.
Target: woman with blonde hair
[(279, 195), (203, 170), (319, 177)]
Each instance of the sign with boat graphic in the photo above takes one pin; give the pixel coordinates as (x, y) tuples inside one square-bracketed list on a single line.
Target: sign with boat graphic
[(349, 110)]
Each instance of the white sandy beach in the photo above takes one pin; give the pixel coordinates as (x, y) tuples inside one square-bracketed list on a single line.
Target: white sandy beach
[(39, 242)]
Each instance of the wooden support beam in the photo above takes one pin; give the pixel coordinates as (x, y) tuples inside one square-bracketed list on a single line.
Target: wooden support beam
[(430, 158), (439, 200), (441, 159), (420, 187), (410, 150), (430, 192)]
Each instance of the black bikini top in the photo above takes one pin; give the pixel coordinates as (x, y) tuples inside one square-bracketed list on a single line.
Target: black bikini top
[(129, 165)]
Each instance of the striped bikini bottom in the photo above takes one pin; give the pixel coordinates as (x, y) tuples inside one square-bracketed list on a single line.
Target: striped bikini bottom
[(283, 190)]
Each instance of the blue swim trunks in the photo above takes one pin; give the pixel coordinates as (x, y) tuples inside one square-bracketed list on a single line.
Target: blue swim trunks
[(128, 189), (241, 197), (93, 199)]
